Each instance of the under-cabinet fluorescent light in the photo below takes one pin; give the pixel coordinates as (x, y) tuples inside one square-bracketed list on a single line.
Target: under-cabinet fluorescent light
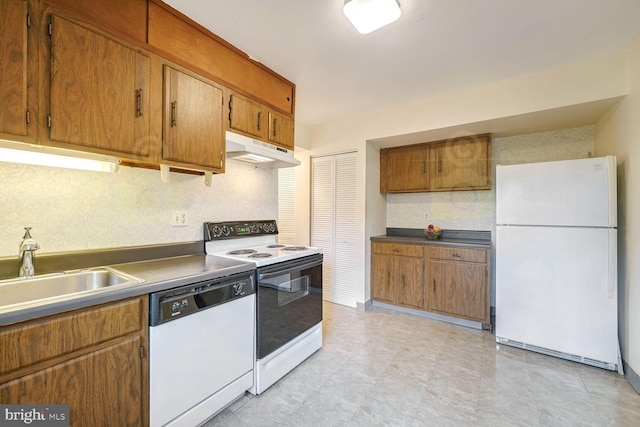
[(370, 15), (13, 152)]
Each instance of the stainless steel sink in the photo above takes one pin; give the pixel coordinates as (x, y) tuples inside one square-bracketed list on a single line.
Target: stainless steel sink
[(27, 289)]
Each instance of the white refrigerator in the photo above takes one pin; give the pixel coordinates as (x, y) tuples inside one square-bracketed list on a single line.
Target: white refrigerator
[(556, 259)]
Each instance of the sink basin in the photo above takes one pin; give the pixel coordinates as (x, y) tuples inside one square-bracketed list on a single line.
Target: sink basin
[(23, 290)]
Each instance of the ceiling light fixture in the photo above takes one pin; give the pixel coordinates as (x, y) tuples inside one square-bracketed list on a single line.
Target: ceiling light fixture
[(370, 15), (38, 155)]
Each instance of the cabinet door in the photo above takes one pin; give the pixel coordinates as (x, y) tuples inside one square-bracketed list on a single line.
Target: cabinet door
[(410, 277), (246, 116), (99, 91), (13, 71), (128, 17), (462, 164), (458, 288), (281, 130), (408, 168), (101, 388), (382, 278), (193, 130)]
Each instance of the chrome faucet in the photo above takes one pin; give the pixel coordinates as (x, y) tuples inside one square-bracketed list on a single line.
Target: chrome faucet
[(27, 249)]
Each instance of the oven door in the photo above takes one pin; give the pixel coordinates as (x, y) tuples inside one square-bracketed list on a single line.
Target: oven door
[(289, 301)]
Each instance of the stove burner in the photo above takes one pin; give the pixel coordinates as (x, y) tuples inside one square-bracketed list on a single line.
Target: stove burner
[(295, 248), (242, 252), (260, 255), (275, 246)]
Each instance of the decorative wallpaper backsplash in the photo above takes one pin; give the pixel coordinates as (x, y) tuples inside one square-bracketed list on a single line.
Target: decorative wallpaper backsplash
[(475, 210), (75, 210)]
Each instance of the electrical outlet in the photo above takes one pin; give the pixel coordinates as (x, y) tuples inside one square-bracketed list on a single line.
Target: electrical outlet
[(426, 216), (179, 218)]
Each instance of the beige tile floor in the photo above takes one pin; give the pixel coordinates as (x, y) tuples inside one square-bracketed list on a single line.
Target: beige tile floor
[(381, 367)]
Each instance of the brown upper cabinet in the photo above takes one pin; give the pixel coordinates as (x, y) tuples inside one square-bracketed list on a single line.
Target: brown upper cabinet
[(255, 120), (124, 18), (192, 45), (193, 128), (246, 116), (90, 76), (451, 165), (98, 90), (404, 169), (13, 71), (280, 130), (462, 163)]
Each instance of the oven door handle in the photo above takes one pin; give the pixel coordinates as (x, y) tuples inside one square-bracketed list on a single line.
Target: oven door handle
[(295, 268)]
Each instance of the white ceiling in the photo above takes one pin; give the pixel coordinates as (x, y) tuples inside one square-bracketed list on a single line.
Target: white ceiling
[(437, 46)]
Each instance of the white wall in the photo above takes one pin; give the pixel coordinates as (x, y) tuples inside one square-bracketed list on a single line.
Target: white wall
[(75, 210), (618, 133)]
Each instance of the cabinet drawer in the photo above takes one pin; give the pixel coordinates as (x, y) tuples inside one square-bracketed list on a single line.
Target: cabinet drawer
[(34, 341), (401, 249), (458, 254)]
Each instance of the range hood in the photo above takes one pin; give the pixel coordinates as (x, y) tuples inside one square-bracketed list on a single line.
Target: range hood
[(258, 153)]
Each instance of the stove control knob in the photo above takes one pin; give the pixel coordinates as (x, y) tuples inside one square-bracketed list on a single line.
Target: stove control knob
[(225, 230), (254, 228), (272, 227), (184, 304), (238, 288), (217, 231)]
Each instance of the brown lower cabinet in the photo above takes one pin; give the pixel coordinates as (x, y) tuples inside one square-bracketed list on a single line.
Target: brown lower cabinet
[(443, 279), (397, 274), (93, 359), (458, 282)]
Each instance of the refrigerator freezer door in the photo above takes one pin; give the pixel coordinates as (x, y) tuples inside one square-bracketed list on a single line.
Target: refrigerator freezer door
[(571, 192), (555, 289)]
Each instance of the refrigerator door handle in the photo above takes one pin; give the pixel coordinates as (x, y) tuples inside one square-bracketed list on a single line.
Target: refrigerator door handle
[(612, 181), (612, 277)]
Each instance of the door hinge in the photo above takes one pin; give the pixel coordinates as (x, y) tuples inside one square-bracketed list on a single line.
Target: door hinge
[(141, 352), (28, 117), (49, 121), (28, 21)]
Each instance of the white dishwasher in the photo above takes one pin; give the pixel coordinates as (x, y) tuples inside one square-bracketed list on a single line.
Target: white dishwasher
[(201, 349)]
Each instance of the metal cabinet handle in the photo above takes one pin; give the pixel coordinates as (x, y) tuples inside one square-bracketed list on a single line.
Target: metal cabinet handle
[(139, 102), (174, 113), (456, 255), (434, 286), (259, 119), (275, 127)]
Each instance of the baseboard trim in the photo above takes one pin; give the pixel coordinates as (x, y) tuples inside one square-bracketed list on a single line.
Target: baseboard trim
[(363, 307), (632, 376), (429, 315)]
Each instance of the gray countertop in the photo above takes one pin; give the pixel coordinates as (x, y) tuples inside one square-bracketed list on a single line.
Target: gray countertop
[(158, 275), (460, 238)]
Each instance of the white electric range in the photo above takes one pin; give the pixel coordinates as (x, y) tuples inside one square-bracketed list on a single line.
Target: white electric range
[(288, 294)]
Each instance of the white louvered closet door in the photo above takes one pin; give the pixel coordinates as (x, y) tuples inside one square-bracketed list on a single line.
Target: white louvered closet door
[(333, 224), (287, 206)]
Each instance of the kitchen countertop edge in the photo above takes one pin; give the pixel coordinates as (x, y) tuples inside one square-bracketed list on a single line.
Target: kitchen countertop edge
[(422, 240)]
